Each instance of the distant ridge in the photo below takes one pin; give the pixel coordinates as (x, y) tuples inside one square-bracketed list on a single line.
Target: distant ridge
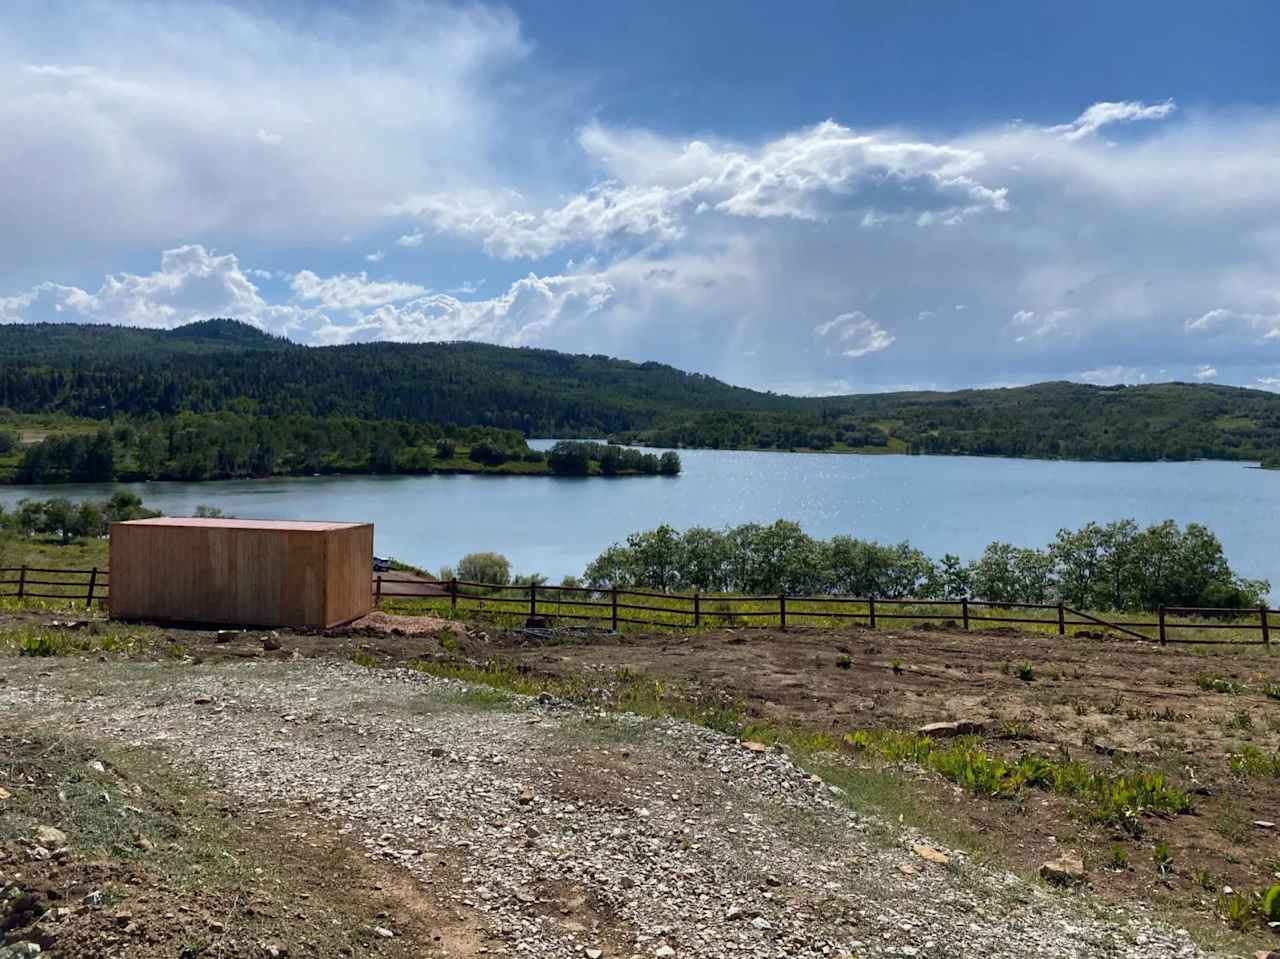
[(103, 372)]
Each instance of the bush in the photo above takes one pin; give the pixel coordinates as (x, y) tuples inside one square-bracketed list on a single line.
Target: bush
[(490, 568), (568, 458)]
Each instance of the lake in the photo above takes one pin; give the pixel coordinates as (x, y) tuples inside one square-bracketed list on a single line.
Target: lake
[(555, 526)]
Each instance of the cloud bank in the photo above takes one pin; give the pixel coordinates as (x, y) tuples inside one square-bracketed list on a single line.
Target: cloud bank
[(371, 173)]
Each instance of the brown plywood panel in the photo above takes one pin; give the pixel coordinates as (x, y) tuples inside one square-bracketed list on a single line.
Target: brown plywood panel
[(350, 574)]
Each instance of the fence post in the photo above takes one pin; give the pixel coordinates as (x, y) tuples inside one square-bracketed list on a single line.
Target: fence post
[(697, 609), (1266, 627), (613, 591), (1160, 614), (871, 608), (453, 594), (1062, 622), (22, 581), (377, 591), (93, 581), (964, 610), (533, 598), (782, 610)]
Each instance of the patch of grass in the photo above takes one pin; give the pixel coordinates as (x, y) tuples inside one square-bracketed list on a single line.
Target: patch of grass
[(1163, 858), (136, 809), (1251, 761), (1115, 799), (844, 662), (94, 637), (1241, 720), (362, 657), (1219, 684), (1245, 910), (1118, 859), (1025, 671), (1271, 690)]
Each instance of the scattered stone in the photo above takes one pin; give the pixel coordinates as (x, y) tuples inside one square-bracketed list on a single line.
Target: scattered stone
[(930, 854), (1066, 870), (202, 700), (760, 922), (1264, 824), (664, 952), (226, 635), (97, 766), (142, 842), (270, 643), (526, 796), (593, 953), (754, 747), (50, 836), (5, 794), (20, 950), (384, 932), (944, 730)]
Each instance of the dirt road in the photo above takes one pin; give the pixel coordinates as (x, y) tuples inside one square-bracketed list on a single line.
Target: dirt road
[(526, 828)]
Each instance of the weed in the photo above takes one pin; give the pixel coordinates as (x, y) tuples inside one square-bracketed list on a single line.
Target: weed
[(1271, 690), (1014, 729), (1252, 761), (1115, 799), (1163, 858), (448, 641), (362, 657), (1237, 909), (896, 666), (1218, 684), (1080, 707), (1207, 880), (1241, 720), (41, 644), (1118, 860), (845, 662), (1025, 671)]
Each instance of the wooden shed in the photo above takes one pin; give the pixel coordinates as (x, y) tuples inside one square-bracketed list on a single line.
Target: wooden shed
[(241, 572)]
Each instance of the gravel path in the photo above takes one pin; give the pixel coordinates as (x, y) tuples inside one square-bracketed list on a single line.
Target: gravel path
[(559, 832)]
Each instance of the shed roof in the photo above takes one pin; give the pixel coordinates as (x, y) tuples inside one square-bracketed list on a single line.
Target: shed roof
[(223, 523)]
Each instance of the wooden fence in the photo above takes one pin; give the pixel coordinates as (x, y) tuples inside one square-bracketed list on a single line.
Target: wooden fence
[(638, 607), (70, 585)]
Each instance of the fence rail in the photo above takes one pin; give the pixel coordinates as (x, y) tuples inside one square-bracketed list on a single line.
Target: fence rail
[(644, 607), (616, 607), (38, 582)]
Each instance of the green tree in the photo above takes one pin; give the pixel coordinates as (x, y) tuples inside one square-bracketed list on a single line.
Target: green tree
[(491, 568)]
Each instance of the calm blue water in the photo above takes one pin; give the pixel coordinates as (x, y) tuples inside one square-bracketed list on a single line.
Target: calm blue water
[(941, 504)]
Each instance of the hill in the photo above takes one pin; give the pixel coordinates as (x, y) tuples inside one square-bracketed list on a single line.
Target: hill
[(107, 373)]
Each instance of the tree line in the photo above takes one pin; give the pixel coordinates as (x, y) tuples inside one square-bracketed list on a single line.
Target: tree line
[(1113, 566), (113, 373), (193, 446), (66, 520)]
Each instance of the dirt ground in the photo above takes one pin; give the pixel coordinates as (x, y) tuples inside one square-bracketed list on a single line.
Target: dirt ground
[(211, 877), (1115, 705)]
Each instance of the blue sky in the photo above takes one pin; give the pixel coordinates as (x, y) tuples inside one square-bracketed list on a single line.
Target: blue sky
[(808, 197)]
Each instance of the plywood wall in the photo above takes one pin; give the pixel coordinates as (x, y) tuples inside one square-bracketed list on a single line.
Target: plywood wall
[(235, 573)]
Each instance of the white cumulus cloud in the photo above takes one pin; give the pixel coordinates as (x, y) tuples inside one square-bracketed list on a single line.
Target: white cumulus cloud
[(854, 334)]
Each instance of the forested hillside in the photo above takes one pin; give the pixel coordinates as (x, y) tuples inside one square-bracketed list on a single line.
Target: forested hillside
[(105, 372), (118, 373)]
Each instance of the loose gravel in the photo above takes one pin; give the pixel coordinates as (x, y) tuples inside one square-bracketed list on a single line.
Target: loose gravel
[(572, 833)]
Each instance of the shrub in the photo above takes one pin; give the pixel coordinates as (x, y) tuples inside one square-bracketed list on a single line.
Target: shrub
[(490, 568)]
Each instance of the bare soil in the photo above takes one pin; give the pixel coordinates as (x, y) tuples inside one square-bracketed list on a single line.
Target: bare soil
[(1115, 705)]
